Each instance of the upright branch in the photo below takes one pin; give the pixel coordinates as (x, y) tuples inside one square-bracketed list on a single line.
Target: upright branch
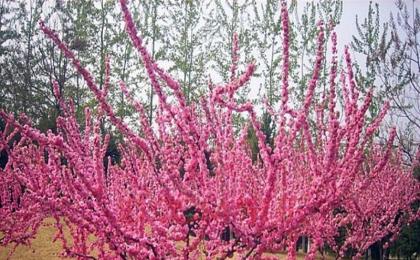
[(285, 57)]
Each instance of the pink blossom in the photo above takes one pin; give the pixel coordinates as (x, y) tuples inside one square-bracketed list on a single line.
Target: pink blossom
[(189, 185)]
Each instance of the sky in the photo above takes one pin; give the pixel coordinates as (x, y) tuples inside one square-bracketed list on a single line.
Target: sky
[(353, 8)]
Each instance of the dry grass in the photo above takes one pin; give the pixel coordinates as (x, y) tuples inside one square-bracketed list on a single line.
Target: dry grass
[(42, 247)]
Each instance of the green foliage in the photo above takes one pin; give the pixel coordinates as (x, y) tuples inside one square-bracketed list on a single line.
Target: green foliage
[(267, 36), (185, 46), (268, 128), (112, 151), (372, 41), (201, 40), (392, 67), (222, 20), (303, 34), (408, 242), (303, 47)]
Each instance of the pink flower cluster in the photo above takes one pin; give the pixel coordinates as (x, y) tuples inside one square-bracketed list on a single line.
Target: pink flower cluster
[(187, 187)]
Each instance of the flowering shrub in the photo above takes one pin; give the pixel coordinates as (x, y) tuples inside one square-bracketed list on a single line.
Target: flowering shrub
[(188, 187)]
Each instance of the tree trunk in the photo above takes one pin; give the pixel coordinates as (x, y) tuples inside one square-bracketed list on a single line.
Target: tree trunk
[(376, 251)]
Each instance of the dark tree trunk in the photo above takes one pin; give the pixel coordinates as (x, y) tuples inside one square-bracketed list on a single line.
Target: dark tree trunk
[(376, 251)]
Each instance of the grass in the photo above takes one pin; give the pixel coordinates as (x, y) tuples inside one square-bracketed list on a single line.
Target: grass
[(42, 247)]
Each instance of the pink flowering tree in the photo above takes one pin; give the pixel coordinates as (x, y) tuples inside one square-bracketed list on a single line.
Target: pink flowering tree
[(187, 186)]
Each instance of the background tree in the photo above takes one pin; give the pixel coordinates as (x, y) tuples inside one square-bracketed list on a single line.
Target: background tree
[(392, 66), (185, 45), (35, 63), (223, 21), (304, 31), (8, 20)]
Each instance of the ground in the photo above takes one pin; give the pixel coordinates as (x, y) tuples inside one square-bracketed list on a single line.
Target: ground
[(42, 247)]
